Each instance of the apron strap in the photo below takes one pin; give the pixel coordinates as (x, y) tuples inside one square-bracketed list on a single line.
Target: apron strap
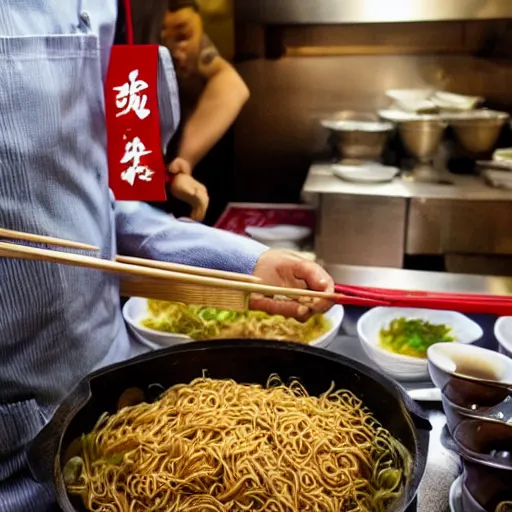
[(124, 23)]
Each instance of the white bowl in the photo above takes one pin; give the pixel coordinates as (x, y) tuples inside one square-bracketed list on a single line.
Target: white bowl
[(281, 236), (395, 115), (136, 310), (407, 367), (409, 94), (503, 333), (502, 155), (356, 126), (498, 179), (365, 173), (451, 101)]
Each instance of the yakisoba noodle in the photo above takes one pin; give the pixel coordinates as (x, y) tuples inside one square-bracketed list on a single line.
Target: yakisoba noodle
[(215, 446), (201, 323)]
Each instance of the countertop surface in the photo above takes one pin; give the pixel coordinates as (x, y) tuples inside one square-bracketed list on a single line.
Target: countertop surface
[(400, 279), (320, 180)]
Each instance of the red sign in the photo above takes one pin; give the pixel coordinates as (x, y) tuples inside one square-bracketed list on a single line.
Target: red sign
[(136, 167)]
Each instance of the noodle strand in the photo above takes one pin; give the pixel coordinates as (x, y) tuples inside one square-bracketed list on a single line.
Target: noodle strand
[(219, 446)]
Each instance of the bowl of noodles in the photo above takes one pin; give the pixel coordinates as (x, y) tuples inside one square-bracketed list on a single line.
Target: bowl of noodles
[(228, 426), (163, 324)]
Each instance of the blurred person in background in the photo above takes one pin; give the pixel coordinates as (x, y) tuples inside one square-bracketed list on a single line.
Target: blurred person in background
[(211, 97)]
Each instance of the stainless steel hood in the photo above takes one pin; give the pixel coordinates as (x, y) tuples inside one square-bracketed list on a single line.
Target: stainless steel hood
[(285, 12)]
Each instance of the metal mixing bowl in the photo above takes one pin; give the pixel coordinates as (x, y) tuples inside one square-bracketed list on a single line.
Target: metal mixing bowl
[(422, 138), (361, 140), (478, 131)]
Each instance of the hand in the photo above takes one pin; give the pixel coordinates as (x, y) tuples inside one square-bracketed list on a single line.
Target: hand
[(180, 166), (282, 268), (185, 188)]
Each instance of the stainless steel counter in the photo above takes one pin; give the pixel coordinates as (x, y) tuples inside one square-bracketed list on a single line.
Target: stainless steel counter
[(400, 279), (320, 180), (465, 222)]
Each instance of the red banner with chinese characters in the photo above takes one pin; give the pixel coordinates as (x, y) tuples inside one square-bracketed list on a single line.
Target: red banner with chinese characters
[(136, 167)]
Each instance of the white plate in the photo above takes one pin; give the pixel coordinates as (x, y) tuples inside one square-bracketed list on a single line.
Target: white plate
[(400, 116), (503, 333), (416, 106), (451, 101), (474, 115), (502, 155), (281, 235), (409, 94), (407, 367), (455, 498), (498, 179), (136, 310), (356, 126), (365, 173)]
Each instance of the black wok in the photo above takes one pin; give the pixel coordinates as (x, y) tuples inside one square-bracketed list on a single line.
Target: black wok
[(245, 361)]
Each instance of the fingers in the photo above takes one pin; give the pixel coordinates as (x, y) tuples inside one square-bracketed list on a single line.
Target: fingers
[(314, 275), (174, 167), (319, 306), (287, 308), (283, 269), (189, 190), (316, 278), (299, 309), (180, 166), (200, 203)]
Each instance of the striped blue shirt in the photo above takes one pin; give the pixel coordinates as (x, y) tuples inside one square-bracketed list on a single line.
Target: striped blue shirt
[(59, 323)]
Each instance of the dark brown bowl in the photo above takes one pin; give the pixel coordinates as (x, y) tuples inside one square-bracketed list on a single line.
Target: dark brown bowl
[(484, 488), (456, 414), (471, 377), (486, 443), (468, 501), (486, 449)]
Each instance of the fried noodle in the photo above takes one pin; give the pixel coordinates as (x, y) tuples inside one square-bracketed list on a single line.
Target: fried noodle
[(201, 323), (216, 445)]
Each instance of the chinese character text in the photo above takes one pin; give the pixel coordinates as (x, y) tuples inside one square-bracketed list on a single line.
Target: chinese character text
[(134, 151), (129, 98)]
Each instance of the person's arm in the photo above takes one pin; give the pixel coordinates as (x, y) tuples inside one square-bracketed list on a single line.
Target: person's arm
[(146, 232), (220, 103)]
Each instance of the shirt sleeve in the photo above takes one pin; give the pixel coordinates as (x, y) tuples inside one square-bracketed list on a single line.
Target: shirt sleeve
[(146, 232)]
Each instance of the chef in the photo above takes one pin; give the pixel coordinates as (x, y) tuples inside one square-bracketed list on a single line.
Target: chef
[(211, 96), (58, 323)]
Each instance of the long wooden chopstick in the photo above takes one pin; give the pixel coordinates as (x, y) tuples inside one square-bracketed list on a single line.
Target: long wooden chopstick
[(188, 269), (32, 253), (50, 240), (147, 279)]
